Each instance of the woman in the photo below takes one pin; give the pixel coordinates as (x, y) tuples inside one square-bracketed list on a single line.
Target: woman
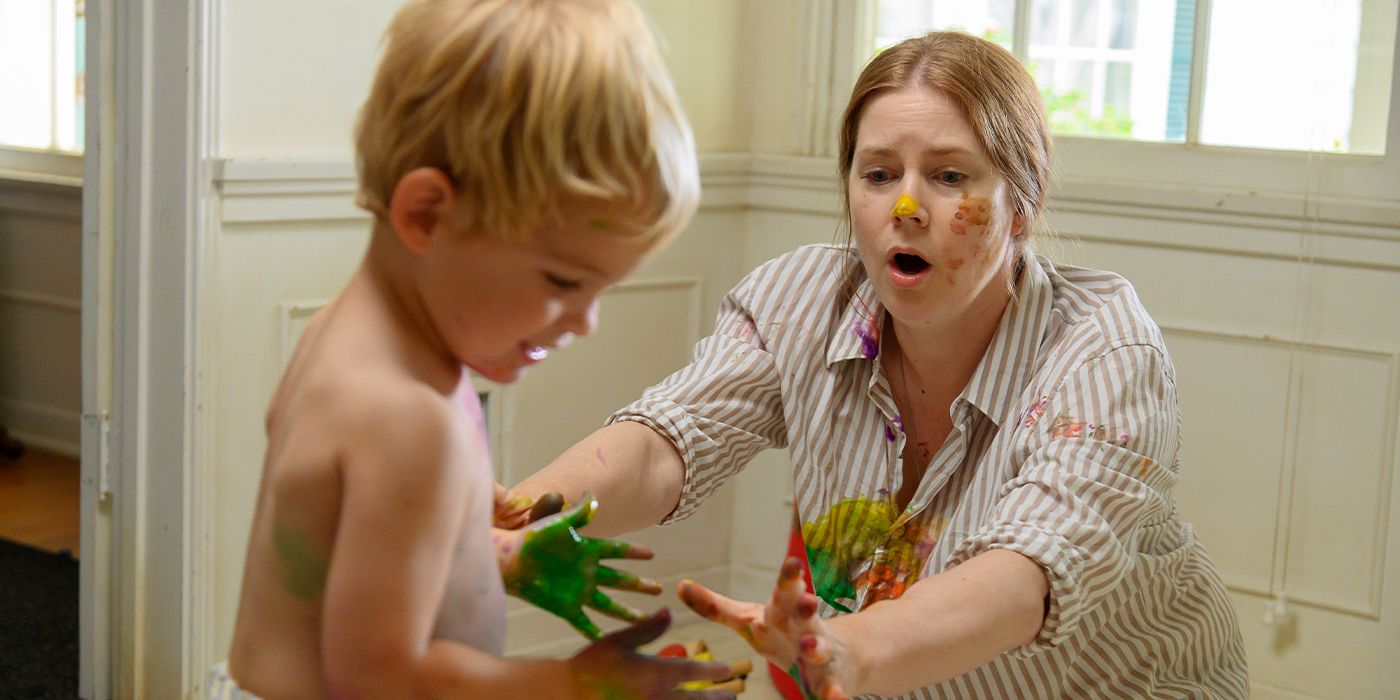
[(984, 443)]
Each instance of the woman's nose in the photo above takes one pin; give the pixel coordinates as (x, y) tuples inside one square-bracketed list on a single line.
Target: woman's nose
[(907, 208)]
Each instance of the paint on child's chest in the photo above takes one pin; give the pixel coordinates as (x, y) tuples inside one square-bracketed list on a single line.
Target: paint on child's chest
[(304, 568)]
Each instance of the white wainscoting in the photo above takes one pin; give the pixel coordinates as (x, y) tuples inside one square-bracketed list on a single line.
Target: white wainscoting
[(41, 313)]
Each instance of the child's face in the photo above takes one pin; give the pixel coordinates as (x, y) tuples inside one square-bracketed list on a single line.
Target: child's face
[(501, 307)]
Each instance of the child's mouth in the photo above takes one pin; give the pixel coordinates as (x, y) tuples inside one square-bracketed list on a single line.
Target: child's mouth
[(533, 353)]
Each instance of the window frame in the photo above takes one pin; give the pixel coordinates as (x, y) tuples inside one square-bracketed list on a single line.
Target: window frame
[(53, 165), (1247, 179)]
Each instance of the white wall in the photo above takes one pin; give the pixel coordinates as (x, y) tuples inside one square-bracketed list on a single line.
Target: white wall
[(40, 313)]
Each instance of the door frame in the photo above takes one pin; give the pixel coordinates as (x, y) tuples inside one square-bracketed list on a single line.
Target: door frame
[(146, 203)]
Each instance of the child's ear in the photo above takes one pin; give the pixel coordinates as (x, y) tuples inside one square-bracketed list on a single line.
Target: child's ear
[(421, 206)]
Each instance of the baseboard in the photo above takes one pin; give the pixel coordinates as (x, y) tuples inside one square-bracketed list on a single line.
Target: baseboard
[(44, 427)]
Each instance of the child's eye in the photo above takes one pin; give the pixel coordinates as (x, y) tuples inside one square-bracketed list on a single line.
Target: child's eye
[(562, 284), (950, 177)]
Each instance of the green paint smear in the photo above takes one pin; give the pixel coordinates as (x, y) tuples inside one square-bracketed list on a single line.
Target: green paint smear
[(856, 531), (608, 689), (796, 673), (304, 568), (557, 570)]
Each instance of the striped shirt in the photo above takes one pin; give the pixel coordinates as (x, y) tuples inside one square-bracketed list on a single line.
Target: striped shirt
[(1063, 449)]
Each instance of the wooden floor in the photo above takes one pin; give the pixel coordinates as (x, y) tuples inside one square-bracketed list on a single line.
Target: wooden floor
[(39, 501)]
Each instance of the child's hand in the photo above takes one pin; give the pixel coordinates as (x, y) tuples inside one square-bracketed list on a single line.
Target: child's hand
[(515, 510), (786, 631), (612, 668), (552, 566), (512, 510)]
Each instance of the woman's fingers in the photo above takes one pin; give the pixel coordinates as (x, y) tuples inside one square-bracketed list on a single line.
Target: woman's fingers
[(603, 604), (582, 513), (646, 630), (713, 606), (612, 578), (617, 549)]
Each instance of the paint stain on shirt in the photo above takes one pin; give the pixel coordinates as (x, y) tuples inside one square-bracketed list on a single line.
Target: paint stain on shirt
[(863, 550)]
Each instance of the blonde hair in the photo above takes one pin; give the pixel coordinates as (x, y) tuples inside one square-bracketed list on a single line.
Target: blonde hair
[(527, 105), (998, 96)]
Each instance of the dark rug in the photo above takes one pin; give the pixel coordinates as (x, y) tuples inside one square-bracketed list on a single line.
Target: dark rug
[(38, 623)]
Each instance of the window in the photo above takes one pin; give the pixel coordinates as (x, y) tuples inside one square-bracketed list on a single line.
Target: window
[(1307, 75), (41, 74)]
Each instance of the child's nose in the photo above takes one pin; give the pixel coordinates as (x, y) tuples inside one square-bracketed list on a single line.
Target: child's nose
[(583, 319)]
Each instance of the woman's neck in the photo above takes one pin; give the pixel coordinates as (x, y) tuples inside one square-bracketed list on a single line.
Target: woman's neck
[(939, 359)]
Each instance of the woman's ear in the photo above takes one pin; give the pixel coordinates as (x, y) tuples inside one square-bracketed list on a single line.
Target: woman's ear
[(1018, 224), (421, 207)]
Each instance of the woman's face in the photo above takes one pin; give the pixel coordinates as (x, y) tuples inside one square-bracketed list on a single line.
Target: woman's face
[(943, 254)]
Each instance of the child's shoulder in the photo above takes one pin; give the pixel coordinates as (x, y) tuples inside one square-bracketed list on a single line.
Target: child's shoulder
[(366, 415)]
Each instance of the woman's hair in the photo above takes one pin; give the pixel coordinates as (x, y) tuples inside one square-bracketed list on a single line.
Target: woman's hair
[(996, 94), (527, 105)]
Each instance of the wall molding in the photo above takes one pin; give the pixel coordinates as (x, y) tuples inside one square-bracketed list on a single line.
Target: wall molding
[(1387, 454), (1363, 233), (47, 301), (264, 191), (53, 199)]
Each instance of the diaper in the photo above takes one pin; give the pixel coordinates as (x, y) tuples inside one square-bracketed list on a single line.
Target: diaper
[(221, 686)]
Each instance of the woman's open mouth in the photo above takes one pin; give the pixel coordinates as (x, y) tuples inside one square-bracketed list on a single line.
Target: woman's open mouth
[(908, 269)]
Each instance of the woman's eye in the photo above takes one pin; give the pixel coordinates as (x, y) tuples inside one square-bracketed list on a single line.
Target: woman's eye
[(877, 176), (562, 284), (949, 177)]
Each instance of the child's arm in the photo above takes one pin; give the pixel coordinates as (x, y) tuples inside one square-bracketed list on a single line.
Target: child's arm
[(402, 501)]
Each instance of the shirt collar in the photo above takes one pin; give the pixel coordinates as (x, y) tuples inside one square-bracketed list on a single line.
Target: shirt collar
[(858, 331), (1010, 358)]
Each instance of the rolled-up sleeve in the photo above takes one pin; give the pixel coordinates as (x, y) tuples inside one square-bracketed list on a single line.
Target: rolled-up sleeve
[(721, 409), (1099, 468)]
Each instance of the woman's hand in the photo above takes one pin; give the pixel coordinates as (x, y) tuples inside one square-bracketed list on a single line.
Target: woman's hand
[(612, 668), (511, 509), (551, 565), (787, 631)]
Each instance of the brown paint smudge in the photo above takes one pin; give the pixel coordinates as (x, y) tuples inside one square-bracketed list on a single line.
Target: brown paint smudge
[(973, 216)]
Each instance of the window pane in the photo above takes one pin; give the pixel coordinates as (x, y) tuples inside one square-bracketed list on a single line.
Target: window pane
[(1120, 68), (1314, 78), (1124, 28), (26, 73), (1084, 23), (900, 19)]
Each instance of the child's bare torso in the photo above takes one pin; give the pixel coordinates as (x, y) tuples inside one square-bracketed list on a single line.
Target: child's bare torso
[(278, 648)]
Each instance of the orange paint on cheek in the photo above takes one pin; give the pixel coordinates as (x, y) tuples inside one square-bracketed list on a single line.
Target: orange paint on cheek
[(953, 266), (973, 216)]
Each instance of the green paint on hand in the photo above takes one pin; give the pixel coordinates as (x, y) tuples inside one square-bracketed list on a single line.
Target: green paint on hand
[(796, 674), (304, 569), (558, 570)]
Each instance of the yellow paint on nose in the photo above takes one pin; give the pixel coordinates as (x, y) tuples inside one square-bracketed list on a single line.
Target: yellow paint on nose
[(906, 206)]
